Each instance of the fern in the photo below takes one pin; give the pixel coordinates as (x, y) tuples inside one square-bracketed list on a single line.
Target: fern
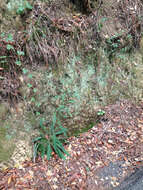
[(50, 140)]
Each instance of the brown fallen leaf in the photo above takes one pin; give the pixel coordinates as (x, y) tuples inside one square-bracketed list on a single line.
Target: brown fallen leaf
[(9, 180)]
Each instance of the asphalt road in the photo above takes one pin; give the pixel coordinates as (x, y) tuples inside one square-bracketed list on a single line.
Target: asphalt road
[(133, 181)]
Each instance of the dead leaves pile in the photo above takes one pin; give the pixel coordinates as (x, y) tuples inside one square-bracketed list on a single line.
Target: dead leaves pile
[(119, 136)]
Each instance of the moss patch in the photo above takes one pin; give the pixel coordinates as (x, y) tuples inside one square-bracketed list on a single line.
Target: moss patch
[(77, 132), (6, 145)]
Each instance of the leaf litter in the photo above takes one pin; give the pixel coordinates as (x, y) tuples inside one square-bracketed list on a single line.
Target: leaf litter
[(118, 138)]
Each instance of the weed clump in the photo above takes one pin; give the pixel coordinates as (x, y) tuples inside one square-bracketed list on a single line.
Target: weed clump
[(10, 65)]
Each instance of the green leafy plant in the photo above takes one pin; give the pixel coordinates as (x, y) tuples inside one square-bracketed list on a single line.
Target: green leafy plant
[(10, 47), (100, 112), (9, 37), (25, 71), (23, 6), (51, 139), (100, 24)]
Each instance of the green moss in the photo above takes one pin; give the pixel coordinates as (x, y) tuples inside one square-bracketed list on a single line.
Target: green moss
[(6, 146), (31, 118), (141, 45), (77, 132)]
